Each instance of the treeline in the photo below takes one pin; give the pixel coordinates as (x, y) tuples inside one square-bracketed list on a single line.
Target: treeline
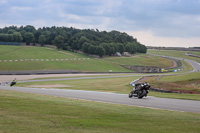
[(87, 40)]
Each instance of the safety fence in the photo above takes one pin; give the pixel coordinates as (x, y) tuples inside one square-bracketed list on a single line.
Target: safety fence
[(10, 43)]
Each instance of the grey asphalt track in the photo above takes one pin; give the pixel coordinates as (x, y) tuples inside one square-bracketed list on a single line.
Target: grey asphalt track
[(115, 98), (149, 102)]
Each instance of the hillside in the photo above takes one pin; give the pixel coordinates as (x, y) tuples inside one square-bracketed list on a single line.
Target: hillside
[(87, 40), (175, 53), (41, 58)]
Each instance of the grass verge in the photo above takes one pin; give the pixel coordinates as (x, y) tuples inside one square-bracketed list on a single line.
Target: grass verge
[(174, 53), (21, 112), (116, 85)]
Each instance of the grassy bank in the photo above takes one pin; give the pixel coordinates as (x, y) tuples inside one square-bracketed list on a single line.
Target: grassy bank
[(174, 53), (142, 60), (13, 58), (91, 65), (117, 85), (21, 112)]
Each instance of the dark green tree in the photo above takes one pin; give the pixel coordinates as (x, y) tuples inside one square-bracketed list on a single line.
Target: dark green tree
[(100, 51), (29, 38), (17, 37), (92, 49), (131, 47), (42, 40), (59, 41), (85, 47)]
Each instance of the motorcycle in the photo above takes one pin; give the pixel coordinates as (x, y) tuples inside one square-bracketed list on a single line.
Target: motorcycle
[(13, 82), (140, 90)]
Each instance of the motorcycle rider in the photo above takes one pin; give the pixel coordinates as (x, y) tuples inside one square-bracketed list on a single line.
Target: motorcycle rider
[(138, 86), (13, 82)]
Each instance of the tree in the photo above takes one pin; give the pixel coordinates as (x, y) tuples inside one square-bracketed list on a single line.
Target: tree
[(74, 39), (10, 37), (42, 40), (23, 34), (17, 37), (107, 48), (3, 37), (11, 31), (131, 47), (29, 37), (85, 47), (82, 40), (29, 28), (92, 49), (100, 51), (119, 47), (59, 41)]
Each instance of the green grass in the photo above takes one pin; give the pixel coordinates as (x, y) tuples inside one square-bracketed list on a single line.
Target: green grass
[(176, 96), (92, 65), (21, 112), (21, 52), (194, 53), (186, 67), (116, 85), (24, 52), (174, 53), (142, 60), (181, 77), (189, 83)]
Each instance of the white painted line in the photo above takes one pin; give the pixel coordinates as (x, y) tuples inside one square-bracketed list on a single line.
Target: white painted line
[(46, 59)]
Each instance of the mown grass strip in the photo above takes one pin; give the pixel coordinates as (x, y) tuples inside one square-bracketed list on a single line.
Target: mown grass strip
[(21, 112), (174, 53)]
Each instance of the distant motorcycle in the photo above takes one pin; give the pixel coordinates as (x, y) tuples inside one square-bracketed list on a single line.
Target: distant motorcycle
[(13, 82), (140, 90)]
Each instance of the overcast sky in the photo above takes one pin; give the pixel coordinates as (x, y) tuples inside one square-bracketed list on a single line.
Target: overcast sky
[(172, 23)]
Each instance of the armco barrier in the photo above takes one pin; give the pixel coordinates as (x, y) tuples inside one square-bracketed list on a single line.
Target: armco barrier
[(10, 43), (163, 91), (37, 72)]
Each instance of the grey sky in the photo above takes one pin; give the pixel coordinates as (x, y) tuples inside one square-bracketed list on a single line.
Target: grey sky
[(152, 22)]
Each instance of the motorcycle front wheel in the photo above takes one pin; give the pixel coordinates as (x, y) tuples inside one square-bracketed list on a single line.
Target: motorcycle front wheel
[(130, 95)]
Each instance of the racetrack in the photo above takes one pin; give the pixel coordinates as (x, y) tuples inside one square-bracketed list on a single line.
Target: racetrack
[(115, 98), (149, 102)]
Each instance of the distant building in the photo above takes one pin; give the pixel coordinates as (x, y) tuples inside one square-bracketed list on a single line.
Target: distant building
[(118, 54), (127, 54)]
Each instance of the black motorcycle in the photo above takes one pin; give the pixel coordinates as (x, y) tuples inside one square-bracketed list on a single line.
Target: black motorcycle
[(13, 82), (140, 90)]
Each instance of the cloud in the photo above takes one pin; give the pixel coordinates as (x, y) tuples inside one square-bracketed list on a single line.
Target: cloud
[(149, 39), (161, 18), (3, 1)]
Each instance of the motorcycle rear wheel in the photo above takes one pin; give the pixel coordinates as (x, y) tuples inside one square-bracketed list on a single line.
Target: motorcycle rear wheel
[(142, 94)]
